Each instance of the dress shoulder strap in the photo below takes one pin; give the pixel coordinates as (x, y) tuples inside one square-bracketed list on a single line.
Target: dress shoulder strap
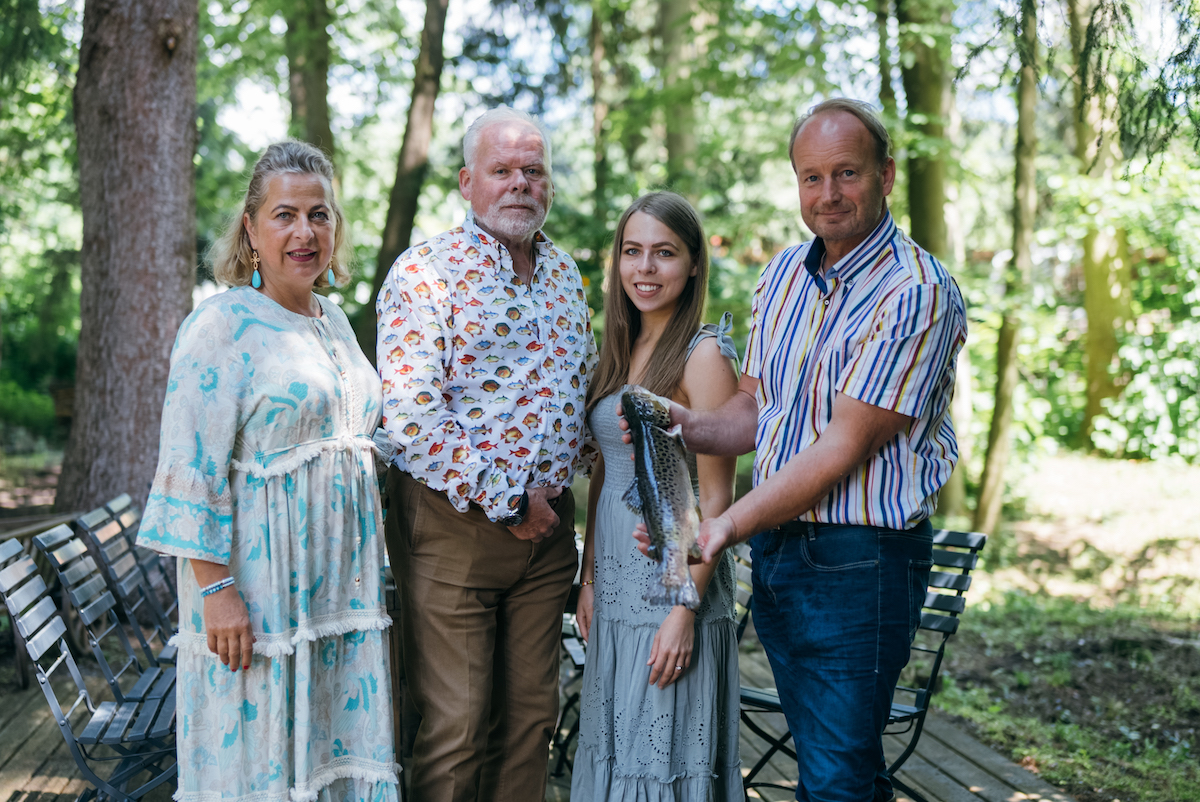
[(721, 330)]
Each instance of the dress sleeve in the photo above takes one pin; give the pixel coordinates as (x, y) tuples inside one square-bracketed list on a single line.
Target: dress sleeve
[(415, 346), (189, 512), (912, 345)]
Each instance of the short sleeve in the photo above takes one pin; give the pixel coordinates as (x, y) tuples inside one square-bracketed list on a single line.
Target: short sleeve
[(189, 512), (904, 360)]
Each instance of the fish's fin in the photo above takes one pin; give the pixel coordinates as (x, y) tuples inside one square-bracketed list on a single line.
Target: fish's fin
[(676, 434), (632, 498)]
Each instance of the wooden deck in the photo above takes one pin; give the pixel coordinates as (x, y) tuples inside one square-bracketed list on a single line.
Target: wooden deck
[(948, 766)]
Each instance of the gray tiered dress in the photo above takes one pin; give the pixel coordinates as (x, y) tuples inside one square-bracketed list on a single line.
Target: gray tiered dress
[(638, 743)]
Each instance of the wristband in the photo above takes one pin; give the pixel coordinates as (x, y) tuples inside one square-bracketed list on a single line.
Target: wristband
[(220, 584)]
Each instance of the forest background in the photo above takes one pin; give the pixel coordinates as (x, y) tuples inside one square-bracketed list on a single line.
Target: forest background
[(1047, 153)]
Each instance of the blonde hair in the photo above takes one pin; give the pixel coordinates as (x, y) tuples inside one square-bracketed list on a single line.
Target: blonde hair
[(623, 321), (230, 254)]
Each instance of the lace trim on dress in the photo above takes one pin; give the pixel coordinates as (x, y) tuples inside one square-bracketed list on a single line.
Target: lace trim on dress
[(284, 643), (346, 767), (305, 452)]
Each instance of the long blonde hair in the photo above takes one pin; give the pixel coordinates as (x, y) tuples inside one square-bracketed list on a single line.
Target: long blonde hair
[(623, 321), (230, 254)]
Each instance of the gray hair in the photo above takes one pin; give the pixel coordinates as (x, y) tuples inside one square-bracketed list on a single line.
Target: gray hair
[(865, 114), (502, 114), (230, 254)]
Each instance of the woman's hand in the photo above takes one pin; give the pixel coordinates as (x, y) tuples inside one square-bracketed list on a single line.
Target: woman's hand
[(228, 625), (671, 653), (584, 609)]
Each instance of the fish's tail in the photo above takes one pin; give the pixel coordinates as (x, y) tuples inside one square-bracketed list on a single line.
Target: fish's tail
[(674, 584)]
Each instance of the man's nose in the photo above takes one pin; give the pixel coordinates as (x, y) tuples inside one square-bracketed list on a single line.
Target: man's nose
[(520, 183), (830, 191)]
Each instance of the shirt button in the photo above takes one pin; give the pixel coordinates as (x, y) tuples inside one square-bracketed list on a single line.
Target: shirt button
[(827, 302)]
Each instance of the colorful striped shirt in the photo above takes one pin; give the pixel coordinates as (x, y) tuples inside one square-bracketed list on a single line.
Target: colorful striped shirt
[(885, 329)]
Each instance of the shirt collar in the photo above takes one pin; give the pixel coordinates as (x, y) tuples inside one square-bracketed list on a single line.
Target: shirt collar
[(864, 254), (483, 239)]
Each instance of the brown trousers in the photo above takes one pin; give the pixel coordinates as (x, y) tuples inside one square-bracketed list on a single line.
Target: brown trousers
[(480, 620)]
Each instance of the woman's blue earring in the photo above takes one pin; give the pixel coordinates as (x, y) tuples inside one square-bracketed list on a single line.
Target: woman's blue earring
[(256, 279), (332, 281)]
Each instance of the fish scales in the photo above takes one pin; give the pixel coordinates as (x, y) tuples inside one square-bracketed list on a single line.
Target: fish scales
[(662, 494)]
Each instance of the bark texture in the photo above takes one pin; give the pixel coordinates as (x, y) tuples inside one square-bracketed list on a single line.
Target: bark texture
[(887, 93), (135, 120), (411, 165), (308, 55), (991, 485), (682, 45), (925, 40), (1106, 269), (596, 46)]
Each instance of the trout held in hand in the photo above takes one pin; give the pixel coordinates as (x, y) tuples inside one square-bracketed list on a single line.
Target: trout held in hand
[(662, 494)]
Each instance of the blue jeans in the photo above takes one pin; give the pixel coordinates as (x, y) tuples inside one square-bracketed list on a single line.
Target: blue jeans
[(836, 608)]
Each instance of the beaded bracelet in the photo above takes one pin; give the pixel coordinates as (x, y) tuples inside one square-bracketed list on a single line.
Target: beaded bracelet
[(220, 584), (587, 582)]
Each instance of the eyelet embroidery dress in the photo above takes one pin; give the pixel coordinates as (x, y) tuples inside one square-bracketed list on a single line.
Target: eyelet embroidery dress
[(266, 465), (638, 743)]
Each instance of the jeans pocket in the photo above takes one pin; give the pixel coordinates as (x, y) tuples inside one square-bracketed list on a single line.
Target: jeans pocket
[(766, 550), (918, 583), (843, 549)]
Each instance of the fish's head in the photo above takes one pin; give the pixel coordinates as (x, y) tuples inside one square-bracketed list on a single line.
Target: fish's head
[(643, 408)]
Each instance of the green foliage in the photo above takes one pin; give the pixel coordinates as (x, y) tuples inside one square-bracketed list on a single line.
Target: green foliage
[(30, 410)]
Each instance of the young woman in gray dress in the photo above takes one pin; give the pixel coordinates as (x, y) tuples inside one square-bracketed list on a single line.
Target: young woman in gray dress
[(659, 710)]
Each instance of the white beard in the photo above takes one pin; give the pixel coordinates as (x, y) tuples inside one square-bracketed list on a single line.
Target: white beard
[(515, 224)]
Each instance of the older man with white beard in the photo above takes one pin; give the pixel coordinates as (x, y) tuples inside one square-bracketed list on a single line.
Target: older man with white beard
[(484, 349)]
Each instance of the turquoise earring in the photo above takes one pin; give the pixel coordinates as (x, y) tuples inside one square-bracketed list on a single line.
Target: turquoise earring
[(256, 279), (332, 282)]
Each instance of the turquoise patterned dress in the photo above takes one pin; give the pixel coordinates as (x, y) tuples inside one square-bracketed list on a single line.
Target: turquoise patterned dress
[(266, 464)]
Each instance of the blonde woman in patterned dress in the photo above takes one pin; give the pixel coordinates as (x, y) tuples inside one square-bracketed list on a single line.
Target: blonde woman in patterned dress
[(659, 709), (266, 489)]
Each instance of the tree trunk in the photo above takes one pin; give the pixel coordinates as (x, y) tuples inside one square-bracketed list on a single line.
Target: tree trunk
[(135, 120), (411, 164), (599, 111), (925, 40), (1106, 270), (887, 93), (307, 45), (991, 489), (681, 46)]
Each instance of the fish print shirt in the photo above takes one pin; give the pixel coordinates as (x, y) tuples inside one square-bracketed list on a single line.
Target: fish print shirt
[(883, 325), (483, 377)]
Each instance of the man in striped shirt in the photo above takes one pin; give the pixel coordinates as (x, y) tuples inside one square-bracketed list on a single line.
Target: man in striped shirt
[(845, 395)]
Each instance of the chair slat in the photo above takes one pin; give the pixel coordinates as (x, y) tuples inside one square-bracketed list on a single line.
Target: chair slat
[(145, 682), (79, 571), (766, 698), (145, 719), (119, 504), (106, 533), (939, 623), (41, 642), (94, 518), (83, 594), (52, 538), (964, 540), (64, 554), (959, 582), (165, 684), (28, 593), (125, 565), (955, 559), (120, 722), (168, 654), (16, 573), (10, 549), (95, 726), (165, 723), (97, 608), (130, 518), (33, 620), (945, 602)]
